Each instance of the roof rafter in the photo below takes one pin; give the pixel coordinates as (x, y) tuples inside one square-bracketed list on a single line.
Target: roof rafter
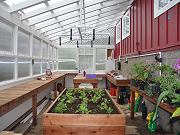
[(24, 5), (106, 4), (103, 14), (101, 23), (47, 9)]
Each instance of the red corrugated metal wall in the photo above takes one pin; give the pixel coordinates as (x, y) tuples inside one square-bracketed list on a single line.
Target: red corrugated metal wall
[(149, 34)]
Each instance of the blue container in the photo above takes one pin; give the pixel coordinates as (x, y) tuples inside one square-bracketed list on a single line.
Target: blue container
[(89, 76)]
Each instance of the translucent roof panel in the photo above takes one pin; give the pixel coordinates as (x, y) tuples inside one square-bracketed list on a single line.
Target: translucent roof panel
[(27, 10), (57, 17), (13, 2)]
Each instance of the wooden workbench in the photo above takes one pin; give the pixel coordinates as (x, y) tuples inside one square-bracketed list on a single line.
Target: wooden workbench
[(118, 83), (153, 100), (81, 79), (16, 95)]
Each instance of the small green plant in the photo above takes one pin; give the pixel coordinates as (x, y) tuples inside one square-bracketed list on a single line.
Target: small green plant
[(83, 108), (95, 98), (109, 110), (70, 97), (105, 107), (60, 108)]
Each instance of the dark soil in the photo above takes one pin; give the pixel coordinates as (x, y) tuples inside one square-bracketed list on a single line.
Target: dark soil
[(94, 107)]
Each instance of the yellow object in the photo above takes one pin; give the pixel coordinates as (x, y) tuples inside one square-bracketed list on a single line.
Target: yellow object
[(149, 117), (136, 95)]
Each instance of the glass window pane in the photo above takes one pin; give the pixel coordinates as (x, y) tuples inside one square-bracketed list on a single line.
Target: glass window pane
[(51, 64), (100, 66), (6, 37), (44, 66), (23, 67), (36, 50), (50, 52), (37, 67), (23, 43), (6, 68), (45, 50), (67, 65), (67, 53), (100, 59)]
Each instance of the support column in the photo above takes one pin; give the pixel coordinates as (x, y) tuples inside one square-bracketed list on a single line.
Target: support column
[(132, 104), (34, 109)]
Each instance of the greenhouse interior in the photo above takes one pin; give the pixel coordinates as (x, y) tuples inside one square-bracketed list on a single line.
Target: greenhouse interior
[(89, 67)]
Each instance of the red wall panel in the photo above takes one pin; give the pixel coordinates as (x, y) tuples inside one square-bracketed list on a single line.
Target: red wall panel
[(172, 25), (162, 27), (149, 34)]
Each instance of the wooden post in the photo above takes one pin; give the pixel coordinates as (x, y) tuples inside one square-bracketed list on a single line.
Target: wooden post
[(34, 109), (64, 82), (55, 90), (94, 85), (132, 103)]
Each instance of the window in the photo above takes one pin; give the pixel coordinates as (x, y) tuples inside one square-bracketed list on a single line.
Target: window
[(51, 64), (118, 32), (100, 59), (6, 37), (67, 59), (44, 66), (23, 43), (6, 68), (23, 67), (36, 48), (45, 50), (37, 67), (126, 25), (51, 52), (160, 6)]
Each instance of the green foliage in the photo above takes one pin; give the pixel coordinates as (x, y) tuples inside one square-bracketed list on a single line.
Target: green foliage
[(83, 108), (176, 112), (60, 108), (105, 107), (95, 98), (142, 72), (70, 97)]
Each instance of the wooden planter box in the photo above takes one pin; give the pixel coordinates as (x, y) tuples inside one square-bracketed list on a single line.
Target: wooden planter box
[(83, 124)]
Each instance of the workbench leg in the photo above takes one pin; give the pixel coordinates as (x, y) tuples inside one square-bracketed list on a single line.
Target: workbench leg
[(64, 82), (76, 85), (117, 93), (106, 83), (55, 90), (94, 85), (34, 109), (132, 104)]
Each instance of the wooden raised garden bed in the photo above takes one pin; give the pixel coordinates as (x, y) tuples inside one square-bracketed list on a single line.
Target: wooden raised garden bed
[(75, 119)]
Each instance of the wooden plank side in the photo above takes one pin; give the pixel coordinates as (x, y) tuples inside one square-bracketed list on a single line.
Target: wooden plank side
[(84, 130), (84, 119)]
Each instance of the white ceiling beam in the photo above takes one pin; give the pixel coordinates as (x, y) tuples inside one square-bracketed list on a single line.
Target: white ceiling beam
[(24, 5), (103, 14), (101, 23), (47, 9), (96, 7)]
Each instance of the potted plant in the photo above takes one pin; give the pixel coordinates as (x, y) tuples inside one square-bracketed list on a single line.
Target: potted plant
[(141, 75)]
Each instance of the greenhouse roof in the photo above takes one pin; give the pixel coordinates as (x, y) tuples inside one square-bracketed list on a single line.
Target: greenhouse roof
[(55, 18)]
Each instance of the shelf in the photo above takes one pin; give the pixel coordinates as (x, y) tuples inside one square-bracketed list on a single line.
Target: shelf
[(153, 100)]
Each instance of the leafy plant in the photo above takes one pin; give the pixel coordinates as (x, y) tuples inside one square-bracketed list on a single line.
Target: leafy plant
[(95, 98), (83, 108), (176, 113), (70, 97), (60, 108)]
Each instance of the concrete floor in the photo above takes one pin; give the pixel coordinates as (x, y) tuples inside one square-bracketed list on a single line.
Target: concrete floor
[(133, 127)]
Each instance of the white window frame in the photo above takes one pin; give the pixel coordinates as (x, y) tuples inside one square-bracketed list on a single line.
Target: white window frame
[(118, 31), (158, 12), (125, 17)]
